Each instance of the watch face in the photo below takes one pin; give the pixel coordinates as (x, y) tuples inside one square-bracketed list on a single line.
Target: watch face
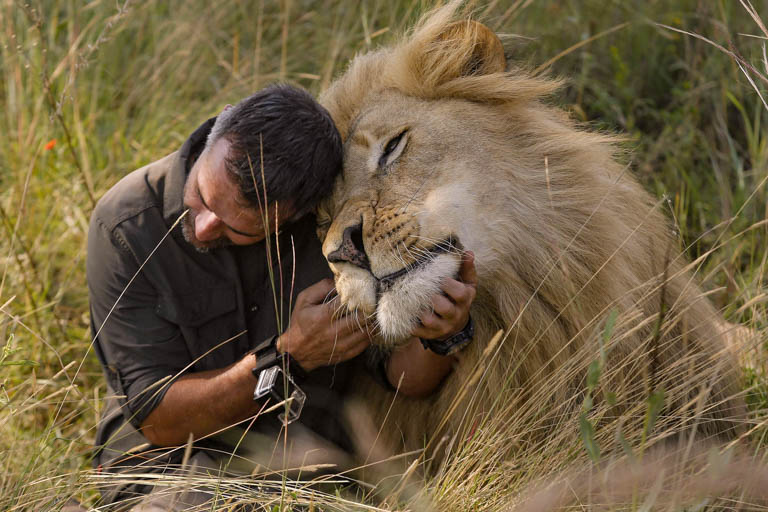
[(266, 382), (269, 384)]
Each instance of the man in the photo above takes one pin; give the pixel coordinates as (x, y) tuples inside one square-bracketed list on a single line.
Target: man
[(199, 257)]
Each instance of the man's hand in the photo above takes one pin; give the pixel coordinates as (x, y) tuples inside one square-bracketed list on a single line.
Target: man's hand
[(450, 311), (314, 338), (417, 371)]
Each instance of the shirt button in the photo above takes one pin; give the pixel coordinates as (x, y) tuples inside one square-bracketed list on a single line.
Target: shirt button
[(254, 308)]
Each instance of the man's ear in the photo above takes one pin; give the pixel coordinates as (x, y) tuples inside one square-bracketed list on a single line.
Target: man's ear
[(477, 46)]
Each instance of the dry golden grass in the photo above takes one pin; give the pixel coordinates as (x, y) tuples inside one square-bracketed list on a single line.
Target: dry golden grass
[(92, 91)]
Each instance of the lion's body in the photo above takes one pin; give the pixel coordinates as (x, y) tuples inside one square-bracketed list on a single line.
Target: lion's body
[(562, 235)]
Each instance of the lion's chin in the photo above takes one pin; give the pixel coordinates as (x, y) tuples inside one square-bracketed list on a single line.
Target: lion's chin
[(400, 306)]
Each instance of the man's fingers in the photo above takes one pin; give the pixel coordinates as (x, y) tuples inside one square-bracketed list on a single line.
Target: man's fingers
[(444, 307), (346, 347), (432, 326), (467, 271), (355, 346), (351, 323), (458, 293), (337, 344), (341, 354), (330, 308), (318, 292)]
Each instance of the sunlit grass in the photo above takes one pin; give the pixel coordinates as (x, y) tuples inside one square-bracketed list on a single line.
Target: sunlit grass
[(91, 91)]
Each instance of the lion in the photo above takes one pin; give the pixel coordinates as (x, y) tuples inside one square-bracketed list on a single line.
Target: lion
[(449, 147)]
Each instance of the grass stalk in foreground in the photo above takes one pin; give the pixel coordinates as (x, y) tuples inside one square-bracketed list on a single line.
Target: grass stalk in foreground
[(92, 92)]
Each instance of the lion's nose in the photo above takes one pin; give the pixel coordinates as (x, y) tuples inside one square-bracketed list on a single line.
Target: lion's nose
[(351, 249)]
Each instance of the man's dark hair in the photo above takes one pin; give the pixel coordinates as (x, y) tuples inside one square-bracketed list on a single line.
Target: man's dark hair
[(295, 138)]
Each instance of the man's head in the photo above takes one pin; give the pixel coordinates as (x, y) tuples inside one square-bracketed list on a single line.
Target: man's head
[(276, 147)]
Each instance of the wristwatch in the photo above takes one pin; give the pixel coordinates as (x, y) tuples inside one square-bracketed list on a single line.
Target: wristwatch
[(270, 367), (452, 344)]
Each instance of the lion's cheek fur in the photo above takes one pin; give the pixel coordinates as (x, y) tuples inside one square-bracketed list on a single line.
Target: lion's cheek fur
[(400, 307), (453, 210)]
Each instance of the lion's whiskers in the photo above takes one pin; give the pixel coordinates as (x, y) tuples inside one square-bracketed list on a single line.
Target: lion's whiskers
[(329, 297), (438, 243), (397, 253)]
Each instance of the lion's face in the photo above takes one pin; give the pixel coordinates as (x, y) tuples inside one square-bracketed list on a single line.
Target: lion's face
[(438, 159), (418, 159), (404, 208)]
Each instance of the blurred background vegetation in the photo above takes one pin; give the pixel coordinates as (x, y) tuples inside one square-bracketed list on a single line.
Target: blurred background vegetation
[(91, 90)]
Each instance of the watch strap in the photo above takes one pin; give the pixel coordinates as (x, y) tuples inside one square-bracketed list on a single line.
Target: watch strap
[(452, 344), (267, 356)]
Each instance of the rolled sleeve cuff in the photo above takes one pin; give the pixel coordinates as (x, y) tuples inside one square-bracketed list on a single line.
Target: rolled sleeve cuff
[(139, 397)]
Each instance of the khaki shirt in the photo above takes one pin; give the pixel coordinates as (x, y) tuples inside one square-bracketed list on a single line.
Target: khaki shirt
[(160, 309)]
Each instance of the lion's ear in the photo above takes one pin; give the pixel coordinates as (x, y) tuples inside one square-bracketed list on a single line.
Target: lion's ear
[(476, 45)]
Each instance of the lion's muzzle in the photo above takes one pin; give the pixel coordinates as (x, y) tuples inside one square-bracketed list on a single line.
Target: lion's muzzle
[(450, 244)]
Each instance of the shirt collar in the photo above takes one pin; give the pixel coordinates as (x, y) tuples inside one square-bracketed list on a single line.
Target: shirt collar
[(173, 196)]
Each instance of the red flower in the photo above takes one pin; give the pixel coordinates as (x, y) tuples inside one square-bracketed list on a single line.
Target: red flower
[(50, 144)]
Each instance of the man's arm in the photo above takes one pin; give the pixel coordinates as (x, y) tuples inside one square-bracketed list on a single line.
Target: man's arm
[(205, 402), (202, 403), (420, 369)]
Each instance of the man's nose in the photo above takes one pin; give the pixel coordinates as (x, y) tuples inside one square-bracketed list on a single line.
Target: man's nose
[(207, 226)]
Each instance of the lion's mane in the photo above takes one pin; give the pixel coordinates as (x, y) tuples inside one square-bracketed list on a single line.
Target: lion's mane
[(568, 242)]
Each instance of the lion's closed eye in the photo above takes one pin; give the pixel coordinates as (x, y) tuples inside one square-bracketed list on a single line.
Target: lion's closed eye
[(393, 149), (323, 219)]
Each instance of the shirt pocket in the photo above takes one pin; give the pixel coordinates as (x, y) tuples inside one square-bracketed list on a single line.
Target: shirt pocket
[(206, 318), (197, 308)]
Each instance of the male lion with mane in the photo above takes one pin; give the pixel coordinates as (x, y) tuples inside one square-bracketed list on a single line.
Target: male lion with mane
[(448, 147)]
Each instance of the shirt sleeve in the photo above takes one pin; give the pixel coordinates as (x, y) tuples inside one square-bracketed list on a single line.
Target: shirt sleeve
[(140, 352)]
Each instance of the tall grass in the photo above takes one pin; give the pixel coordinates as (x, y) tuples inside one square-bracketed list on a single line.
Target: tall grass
[(91, 91)]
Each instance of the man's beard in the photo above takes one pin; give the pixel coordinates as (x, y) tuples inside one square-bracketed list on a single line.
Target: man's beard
[(188, 231)]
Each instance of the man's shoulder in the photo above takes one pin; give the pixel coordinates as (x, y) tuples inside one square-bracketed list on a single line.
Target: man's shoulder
[(135, 193)]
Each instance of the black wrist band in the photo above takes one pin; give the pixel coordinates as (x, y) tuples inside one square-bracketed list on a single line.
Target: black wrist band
[(452, 344), (269, 365), (267, 355)]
